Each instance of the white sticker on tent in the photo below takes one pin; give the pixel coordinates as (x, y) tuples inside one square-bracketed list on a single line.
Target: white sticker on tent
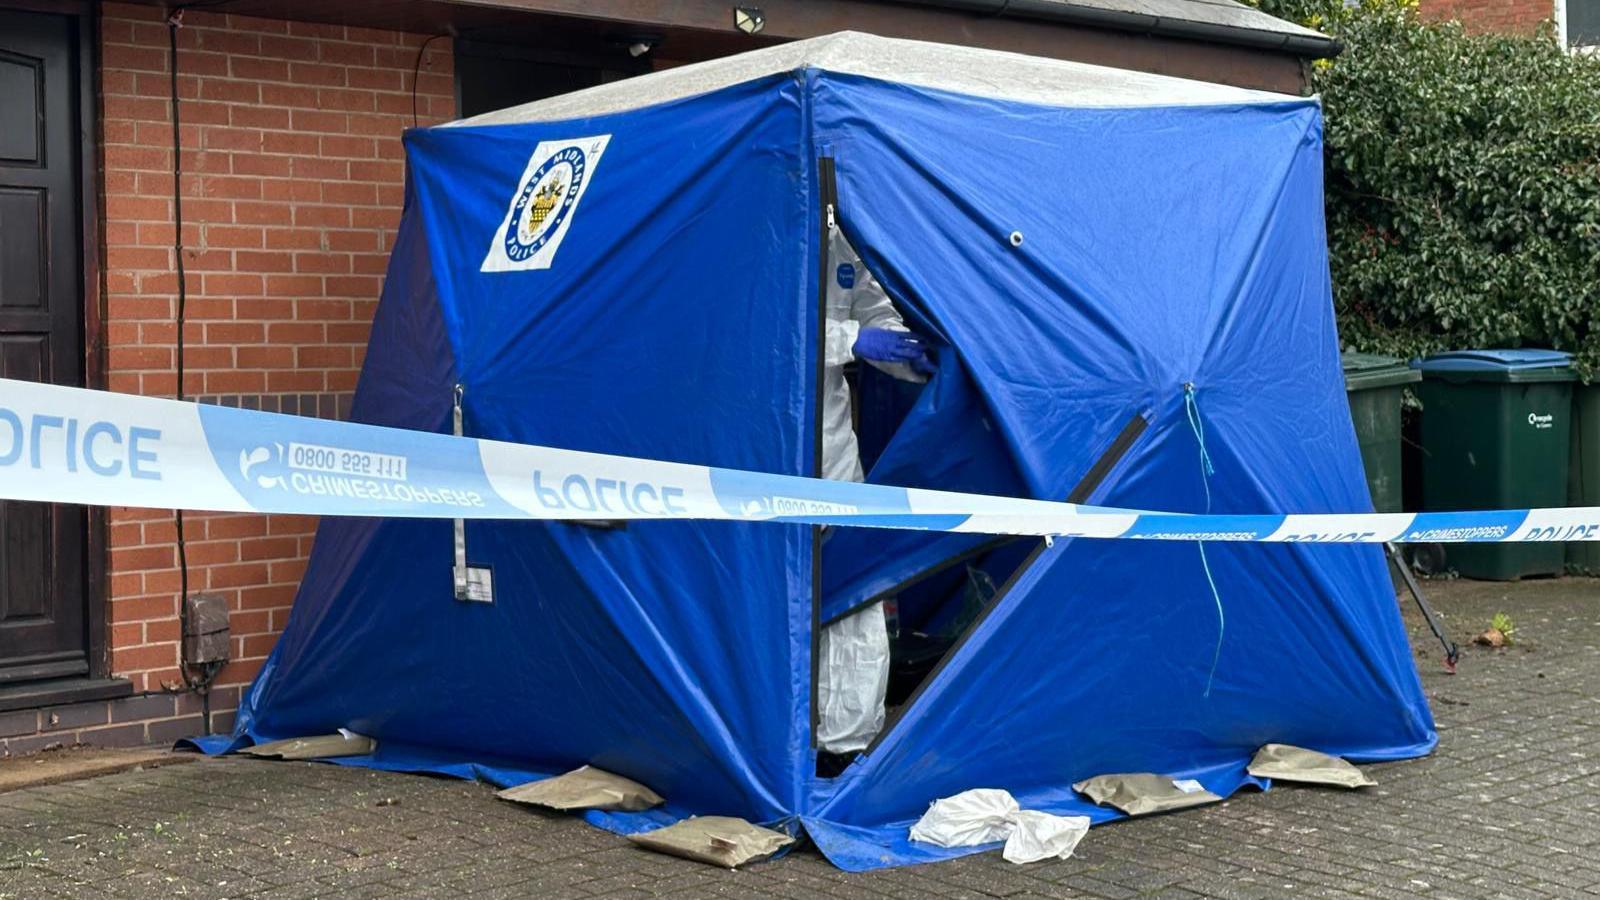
[(480, 585), (1188, 785), (545, 201)]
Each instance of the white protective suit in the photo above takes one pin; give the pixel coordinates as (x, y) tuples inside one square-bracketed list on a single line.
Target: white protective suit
[(854, 650)]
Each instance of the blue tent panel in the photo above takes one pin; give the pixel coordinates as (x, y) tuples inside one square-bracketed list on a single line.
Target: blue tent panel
[(861, 563), (668, 653)]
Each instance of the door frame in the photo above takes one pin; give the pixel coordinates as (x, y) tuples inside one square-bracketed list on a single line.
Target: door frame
[(91, 231)]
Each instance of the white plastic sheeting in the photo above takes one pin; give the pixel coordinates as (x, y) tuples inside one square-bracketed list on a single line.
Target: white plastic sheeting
[(989, 815), (1039, 836)]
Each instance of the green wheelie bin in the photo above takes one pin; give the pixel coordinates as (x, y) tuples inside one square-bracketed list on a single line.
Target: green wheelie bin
[(1376, 385), (1583, 487), (1496, 427)]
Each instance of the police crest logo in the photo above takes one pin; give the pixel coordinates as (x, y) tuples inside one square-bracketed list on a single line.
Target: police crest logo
[(541, 210), (256, 465)]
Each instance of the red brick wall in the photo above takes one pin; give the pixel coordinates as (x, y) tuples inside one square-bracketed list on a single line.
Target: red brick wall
[(1504, 16), (292, 188)]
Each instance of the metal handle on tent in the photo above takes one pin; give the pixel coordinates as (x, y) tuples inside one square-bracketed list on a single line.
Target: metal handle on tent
[(460, 571)]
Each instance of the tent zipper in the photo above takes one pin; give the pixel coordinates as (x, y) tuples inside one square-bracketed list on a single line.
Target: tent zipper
[(1085, 489), (1080, 493), (828, 195)]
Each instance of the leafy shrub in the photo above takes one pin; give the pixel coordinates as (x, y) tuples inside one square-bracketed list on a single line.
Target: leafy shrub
[(1463, 183)]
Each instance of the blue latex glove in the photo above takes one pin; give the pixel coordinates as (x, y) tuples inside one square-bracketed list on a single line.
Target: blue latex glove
[(924, 365), (884, 345)]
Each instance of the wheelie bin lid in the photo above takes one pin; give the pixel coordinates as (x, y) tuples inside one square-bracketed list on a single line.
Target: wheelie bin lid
[(1498, 365), (1363, 371)]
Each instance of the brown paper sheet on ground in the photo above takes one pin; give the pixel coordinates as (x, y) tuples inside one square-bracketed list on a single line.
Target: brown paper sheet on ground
[(584, 788), (1282, 762), (325, 746), (1140, 794), (717, 840)]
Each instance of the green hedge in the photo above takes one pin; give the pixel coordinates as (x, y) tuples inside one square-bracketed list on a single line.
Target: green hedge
[(1463, 184)]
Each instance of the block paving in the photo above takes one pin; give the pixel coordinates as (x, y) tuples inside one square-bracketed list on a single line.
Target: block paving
[(1509, 806)]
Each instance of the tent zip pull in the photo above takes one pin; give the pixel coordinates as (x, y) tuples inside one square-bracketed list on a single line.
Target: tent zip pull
[(831, 223), (460, 525)]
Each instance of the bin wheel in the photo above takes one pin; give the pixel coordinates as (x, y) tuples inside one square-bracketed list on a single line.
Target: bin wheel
[(1427, 559)]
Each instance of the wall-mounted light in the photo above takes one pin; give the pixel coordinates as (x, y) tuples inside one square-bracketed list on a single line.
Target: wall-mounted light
[(636, 43), (749, 19)]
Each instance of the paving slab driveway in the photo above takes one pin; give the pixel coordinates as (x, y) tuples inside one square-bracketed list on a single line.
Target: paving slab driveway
[(1509, 806)]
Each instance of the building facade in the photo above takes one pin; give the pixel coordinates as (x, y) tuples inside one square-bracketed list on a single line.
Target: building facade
[(238, 165), (1576, 22)]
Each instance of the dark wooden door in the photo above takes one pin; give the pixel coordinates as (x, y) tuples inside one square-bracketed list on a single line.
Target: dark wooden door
[(43, 625)]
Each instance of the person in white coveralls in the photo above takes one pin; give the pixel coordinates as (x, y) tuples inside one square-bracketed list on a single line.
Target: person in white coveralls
[(862, 324)]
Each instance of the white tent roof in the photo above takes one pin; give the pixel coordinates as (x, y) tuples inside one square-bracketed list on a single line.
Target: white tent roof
[(965, 70)]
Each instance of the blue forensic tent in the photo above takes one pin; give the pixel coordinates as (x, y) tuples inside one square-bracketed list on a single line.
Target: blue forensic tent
[(1111, 264)]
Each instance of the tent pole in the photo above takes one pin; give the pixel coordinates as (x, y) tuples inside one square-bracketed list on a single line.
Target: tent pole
[(1451, 651)]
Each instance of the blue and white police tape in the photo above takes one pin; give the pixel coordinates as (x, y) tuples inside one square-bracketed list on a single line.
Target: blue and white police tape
[(69, 445)]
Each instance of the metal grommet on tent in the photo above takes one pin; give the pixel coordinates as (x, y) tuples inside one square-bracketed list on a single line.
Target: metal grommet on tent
[(1016, 239)]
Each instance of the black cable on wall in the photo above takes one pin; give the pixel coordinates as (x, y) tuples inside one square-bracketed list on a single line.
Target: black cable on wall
[(416, 73), (199, 683)]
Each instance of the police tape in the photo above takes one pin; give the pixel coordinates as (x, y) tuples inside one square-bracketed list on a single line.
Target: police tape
[(70, 445)]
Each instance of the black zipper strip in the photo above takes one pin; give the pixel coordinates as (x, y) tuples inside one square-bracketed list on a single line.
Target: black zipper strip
[(828, 186), (1102, 467), (1085, 488), (964, 556), (828, 195)]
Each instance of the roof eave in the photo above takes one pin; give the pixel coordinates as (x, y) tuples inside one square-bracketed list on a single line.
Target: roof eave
[(1303, 43)]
